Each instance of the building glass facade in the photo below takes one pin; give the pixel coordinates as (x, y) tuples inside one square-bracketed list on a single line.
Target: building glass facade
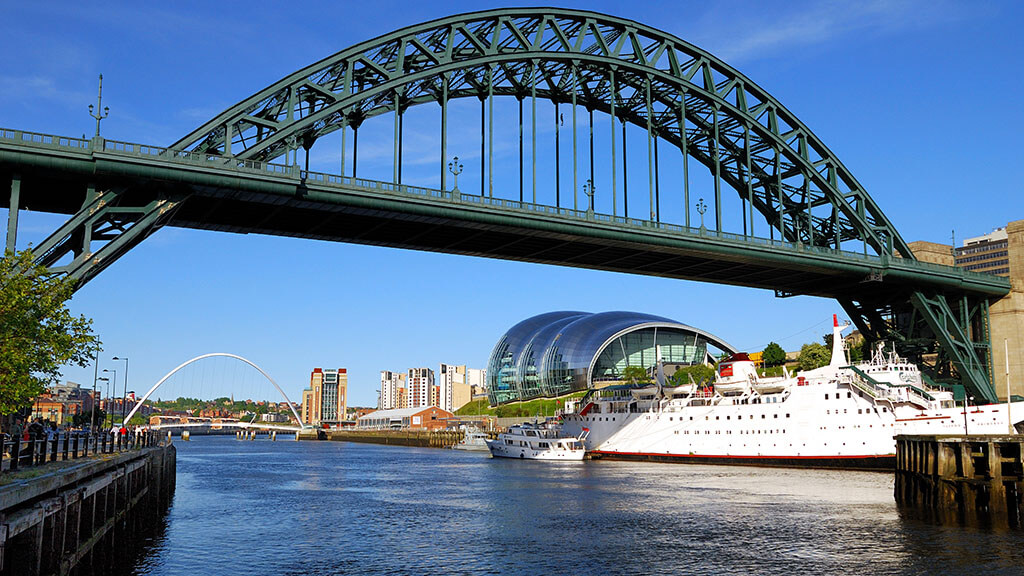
[(560, 352)]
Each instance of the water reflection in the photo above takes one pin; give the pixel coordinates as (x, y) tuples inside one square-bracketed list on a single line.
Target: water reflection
[(339, 508)]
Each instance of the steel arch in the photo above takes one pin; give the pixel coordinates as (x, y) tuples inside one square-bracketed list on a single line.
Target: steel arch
[(687, 95), (212, 354)]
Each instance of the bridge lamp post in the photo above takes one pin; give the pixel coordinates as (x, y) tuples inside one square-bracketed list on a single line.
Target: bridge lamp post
[(124, 398), (99, 102), (455, 168), (701, 209), (588, 189)]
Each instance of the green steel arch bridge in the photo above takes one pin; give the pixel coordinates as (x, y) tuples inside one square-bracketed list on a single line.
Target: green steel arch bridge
[(819, 233)]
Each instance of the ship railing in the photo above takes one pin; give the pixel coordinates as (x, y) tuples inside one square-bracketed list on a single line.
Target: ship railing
[(865, 383), (888, 392)]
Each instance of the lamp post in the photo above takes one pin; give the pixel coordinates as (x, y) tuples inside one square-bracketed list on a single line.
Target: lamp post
[(107, 380), (588, 189), (95, 374), (966, 402), (99, 102), (701, 209), (455, 168), (124, 397), (114, 381)]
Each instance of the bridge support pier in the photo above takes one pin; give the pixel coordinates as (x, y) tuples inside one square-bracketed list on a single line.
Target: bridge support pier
[(12, 214)]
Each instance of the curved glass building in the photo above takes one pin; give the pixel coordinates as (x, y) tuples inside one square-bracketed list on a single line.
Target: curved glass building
[(560, 352)]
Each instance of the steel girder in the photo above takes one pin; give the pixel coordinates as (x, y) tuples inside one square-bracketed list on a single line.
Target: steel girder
[(938, 332), (717, 115), (112, 219)]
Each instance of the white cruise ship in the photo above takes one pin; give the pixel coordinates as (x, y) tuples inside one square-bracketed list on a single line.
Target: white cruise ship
[(836, 416)]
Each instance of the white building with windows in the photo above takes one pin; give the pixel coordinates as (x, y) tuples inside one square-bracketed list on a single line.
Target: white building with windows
[(419, 384), (391, 383)]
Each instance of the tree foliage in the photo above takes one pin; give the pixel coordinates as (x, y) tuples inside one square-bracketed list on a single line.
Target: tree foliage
[(635, 375), (773, 355), (814, 356), (699, 372), (38, 334)]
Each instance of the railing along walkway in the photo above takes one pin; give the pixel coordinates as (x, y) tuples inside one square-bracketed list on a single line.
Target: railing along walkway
[(19, 453)]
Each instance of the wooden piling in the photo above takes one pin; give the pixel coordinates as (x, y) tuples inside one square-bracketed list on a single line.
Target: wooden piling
[(973, 480), (86, 517)]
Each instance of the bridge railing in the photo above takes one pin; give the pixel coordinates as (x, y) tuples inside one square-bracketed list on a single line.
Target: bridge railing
[(48, 140), (334, 180), (18, 453)]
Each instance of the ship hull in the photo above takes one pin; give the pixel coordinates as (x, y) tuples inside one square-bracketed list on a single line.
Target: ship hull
[(884, 463)]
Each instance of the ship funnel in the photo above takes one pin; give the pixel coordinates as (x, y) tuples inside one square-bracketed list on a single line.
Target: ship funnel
[(838, 348)]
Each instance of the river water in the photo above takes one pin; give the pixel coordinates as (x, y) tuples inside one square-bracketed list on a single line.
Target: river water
[(285, 507)]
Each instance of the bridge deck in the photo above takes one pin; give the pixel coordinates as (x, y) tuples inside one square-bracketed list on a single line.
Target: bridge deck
[(256, 197)]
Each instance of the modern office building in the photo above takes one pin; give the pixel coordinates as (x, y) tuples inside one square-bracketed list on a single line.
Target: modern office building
[(560, 352), (1000, 252), (390, 384), (989, 254), (324, 403), (419, 384)]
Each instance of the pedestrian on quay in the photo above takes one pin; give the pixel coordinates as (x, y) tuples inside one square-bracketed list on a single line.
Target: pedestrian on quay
[(36, 430)]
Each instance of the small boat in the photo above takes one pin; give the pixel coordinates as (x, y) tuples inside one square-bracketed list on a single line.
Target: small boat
[(536, 442), (473, 440)]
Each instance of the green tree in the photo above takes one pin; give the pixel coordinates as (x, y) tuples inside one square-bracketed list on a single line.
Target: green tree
[(773, 355), (699, 372), (84, 418), (38, 334), (635, 375), (813, 356)]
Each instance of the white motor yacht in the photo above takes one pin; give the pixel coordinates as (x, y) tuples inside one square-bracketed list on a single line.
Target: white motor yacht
[(536, 442)]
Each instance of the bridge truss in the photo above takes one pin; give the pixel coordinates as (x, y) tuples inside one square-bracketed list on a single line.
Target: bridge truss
[(787, 182)]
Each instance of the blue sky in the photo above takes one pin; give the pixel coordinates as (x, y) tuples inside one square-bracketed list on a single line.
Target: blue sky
[(920, 100)]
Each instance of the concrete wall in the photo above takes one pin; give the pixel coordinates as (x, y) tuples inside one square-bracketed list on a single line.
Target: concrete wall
[(1007, 318)]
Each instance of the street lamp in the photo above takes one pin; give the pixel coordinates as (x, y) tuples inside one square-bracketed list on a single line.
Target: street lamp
[(124, 398), (966, 399), (701, 209), (107, 380), (588, 190), (114, 382), (98, 115), (455, 167)]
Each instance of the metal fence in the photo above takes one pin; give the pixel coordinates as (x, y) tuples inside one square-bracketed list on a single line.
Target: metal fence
[(19, 453)]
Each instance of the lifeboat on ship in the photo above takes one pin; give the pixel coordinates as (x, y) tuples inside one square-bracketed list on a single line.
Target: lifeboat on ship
[(736, 375)]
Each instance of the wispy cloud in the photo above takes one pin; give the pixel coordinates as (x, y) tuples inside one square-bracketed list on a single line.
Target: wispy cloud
[(738, 34), (38, 88)]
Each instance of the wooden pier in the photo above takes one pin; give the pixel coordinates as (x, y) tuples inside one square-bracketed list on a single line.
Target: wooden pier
[(973, 480), (87, 517)]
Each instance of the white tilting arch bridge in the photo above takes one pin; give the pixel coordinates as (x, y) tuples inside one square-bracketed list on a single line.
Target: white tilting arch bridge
[(240, 425)]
